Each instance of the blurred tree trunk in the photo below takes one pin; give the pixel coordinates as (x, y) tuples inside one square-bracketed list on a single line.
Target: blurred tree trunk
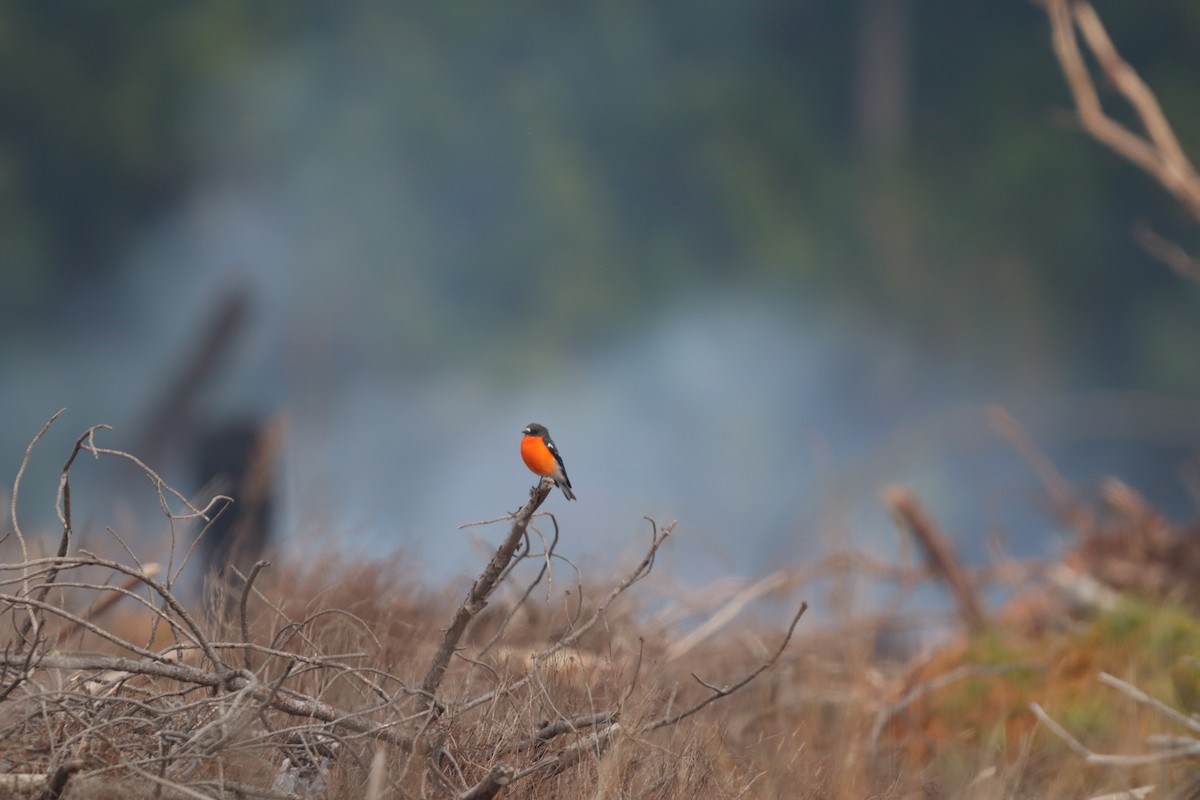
[(882, 98), (884, 74)]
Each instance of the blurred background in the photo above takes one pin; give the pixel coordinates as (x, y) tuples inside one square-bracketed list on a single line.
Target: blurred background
[(749, 262)]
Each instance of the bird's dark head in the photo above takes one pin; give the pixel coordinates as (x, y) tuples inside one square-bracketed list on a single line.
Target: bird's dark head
[(533, 429)]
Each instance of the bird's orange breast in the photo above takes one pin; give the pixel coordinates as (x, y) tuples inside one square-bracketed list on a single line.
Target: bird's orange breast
[(537, 456)]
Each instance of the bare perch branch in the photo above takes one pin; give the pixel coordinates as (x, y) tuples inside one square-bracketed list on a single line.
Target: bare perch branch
[(577, 632), (477, 598)]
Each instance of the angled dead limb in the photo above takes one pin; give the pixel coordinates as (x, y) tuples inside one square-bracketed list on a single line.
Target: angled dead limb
[(492, 783), (1138, 695), (1156, 151), (477, 598), (1175, 747), (1189, 750), (939, 553), (1167, 252)]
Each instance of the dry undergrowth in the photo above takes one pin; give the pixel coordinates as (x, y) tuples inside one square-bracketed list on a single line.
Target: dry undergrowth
[(343, 680)]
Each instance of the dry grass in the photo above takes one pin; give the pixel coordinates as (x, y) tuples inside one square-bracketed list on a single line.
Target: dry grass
[(573, 691)]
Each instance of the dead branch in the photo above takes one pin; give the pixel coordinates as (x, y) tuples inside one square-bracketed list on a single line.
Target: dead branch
[(20, 782), (727, 613), (1141, 697), (569, 755), (63, 507), (512, 612), (1191, 749), (1156, 151), (939, 553), (477, 598), (249, 584), (171, 716), (1007, 427), (108, 599), (576, 632), (16, 491), (551, 729), (211, 346), (58, 779), (718, 693), (492, 783), (1167, 252), (1175, 747), (288, 701)]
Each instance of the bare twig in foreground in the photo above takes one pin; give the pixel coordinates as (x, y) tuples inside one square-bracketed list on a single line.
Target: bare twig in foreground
[(1176, 747), (1146, 700), (1189, 750)]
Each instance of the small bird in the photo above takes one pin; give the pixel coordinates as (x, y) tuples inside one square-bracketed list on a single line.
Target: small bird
[(541, 456)]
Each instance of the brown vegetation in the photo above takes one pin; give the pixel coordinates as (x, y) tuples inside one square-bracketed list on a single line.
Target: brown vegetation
[(355, 680)]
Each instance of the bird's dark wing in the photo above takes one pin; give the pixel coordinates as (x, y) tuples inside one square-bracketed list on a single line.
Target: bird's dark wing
[(550, 446)]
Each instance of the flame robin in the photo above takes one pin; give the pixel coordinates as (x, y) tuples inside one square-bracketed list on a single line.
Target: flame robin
[(541, 456)]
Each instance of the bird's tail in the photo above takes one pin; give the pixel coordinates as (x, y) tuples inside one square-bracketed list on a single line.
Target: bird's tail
[(566, 489)]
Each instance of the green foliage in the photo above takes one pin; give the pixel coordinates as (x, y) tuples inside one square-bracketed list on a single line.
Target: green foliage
[(1154, 633), (553, 170)]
